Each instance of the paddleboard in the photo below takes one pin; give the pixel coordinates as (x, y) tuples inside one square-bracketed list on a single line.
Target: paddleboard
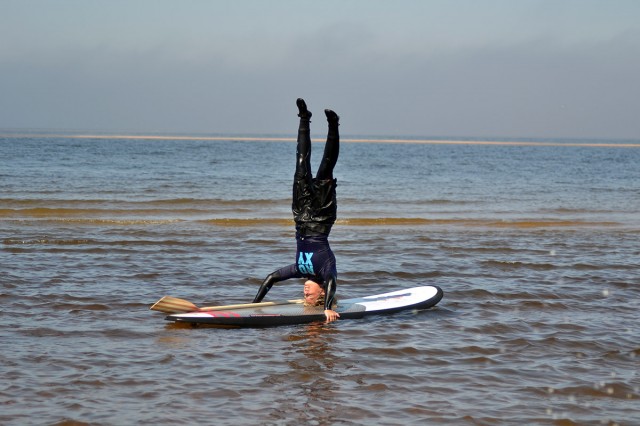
[(296, 313)]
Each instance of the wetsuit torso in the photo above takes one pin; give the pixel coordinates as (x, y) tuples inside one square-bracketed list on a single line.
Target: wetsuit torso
[(314, 261)]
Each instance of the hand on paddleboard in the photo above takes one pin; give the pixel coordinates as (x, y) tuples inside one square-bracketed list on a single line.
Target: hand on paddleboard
[(331, 315)]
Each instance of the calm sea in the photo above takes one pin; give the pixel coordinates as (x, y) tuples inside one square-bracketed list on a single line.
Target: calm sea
[(536, 247)]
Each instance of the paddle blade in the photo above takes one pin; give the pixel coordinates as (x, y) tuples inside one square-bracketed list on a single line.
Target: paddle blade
[(173, 305)]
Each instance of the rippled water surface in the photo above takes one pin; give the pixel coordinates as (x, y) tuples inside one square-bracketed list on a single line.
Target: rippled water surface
[(535, 246)]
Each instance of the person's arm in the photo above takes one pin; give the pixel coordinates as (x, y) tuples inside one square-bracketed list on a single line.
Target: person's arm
[(268, 282), (330, 293), (274, 277)]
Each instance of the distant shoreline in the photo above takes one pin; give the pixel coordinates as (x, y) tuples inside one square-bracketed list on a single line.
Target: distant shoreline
[(345, 140)]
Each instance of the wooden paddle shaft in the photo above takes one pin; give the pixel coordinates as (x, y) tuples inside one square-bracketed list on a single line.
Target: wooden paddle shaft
[(249, 305)]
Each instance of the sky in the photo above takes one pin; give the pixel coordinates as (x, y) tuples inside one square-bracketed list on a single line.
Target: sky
[(400, 68)]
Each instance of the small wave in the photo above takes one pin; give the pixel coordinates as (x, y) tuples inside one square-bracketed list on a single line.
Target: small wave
[(76, 308), (443, 202), (46, 241), (49, 212), (20, 203), (45, 212), (89, 307), (509, 265), (549, 223), (248, 222), (567, 210), (176, 208), (86, 221), (43, 332), (539, 305), (490, 223), (616, 390), (164, 216), (210, 202)]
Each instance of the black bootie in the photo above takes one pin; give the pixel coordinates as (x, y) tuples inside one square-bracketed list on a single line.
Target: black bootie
[(303, 112), (332, 117)]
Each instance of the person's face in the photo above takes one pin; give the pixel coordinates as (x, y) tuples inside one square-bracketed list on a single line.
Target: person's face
[(312, 291)]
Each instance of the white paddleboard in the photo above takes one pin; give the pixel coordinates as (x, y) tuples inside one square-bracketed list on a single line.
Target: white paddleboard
[(296, 313)]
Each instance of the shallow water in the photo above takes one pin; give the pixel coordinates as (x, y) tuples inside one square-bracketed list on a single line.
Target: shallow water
[(536, 249)]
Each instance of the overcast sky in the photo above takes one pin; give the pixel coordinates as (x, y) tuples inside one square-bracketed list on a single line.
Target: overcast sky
[(427, 68)]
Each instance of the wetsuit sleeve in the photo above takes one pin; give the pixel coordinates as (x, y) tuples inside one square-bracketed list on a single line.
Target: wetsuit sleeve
[(330, 292), (274, 277)]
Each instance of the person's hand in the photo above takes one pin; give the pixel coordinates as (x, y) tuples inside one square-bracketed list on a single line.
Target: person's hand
[(331, 315)]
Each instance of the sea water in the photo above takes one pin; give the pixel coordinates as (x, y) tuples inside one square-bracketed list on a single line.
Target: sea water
[(534, 244)]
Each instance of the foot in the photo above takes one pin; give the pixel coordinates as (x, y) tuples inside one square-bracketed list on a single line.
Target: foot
[(332, 117), (303, 112)]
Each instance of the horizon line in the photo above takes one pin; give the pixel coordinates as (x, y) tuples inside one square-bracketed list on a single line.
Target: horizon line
[(400, 140)]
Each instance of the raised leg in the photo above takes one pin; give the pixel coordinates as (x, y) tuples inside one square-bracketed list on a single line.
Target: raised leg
[(303, 149), (331, 148)]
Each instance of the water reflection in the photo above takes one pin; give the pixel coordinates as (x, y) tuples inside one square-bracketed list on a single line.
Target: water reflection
[(312, 390)]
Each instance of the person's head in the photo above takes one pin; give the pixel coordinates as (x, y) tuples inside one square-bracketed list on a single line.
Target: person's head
[(313, 294)]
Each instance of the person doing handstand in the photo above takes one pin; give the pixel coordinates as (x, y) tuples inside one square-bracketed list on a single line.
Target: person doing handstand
[(314, 209)]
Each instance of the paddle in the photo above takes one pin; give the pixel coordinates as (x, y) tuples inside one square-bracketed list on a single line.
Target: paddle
[(173, 305)]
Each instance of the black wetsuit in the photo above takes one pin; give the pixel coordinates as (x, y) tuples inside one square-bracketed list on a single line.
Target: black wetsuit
[(314, 209)]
